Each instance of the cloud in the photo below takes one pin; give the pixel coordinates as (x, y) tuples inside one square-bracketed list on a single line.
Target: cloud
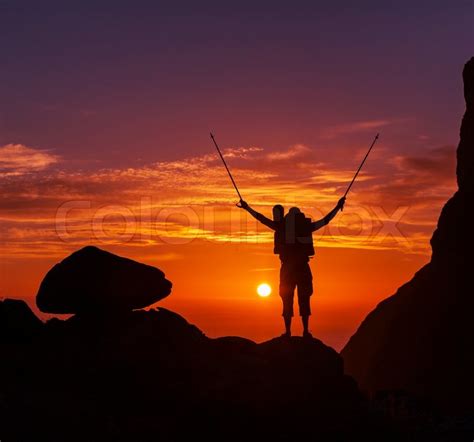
[(241, 152), (360, 126), (17, 159), (294, 152), (198, 194), (422, 179), (437, 164)]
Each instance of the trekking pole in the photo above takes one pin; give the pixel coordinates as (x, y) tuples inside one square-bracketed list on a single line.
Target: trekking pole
[(225, 164), (361, 164)]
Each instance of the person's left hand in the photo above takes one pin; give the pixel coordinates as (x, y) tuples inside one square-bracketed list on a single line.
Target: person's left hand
[(243, 205)]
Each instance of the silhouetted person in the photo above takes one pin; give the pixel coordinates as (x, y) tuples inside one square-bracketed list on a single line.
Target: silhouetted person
[(293, 242)]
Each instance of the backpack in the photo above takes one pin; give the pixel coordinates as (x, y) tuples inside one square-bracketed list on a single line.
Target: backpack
[(295, 236), (279, 239)]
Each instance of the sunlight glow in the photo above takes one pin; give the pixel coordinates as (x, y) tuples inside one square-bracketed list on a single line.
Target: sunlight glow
[(264, 290)]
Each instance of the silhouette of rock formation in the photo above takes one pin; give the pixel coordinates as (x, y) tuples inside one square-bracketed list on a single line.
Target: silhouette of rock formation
[(17, 322), (92, 280), (153, 376), (420, 340)]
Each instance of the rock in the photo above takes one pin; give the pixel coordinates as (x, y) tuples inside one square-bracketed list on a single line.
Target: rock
[(91, 281), (17, 321), (420, 339), (453, 239), (303, 356), (153, 374), (465, 153)]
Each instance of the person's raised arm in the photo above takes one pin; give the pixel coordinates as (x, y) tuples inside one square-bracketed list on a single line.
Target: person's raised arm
[(327, 219), (258, 216)]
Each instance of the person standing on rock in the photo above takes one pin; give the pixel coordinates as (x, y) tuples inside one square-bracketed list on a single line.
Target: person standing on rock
[(293, 242)]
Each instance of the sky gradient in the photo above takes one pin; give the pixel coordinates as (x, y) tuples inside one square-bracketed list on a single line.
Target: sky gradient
[(104, 139)]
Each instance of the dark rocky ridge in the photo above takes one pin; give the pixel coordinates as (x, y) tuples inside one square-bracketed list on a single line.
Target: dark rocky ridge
[(420, 340), (17, 322), (150, 375)]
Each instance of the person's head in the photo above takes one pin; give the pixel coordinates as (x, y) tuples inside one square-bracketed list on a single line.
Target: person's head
[(292, 214), (278, 212), (293, 211)]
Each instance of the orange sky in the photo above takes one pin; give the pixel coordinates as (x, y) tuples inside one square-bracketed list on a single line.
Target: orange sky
[(180, 216), (104, 139)]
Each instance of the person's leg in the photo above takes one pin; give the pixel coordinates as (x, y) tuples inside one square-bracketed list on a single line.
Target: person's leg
[(305, 321), (287, 320), (287, 290), (305, 290)]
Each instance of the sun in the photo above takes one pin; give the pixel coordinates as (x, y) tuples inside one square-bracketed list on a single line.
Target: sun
[(264, 290)]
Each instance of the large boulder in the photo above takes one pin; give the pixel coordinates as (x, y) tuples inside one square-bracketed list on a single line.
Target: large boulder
[(92, 280), (420, 340)]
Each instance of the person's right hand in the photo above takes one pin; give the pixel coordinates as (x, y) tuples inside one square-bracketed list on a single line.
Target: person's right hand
[(243, 205), (341, 203)]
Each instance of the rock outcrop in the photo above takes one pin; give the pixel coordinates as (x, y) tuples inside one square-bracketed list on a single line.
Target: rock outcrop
[(17, 322), (150, 375), (420, 340), (91, 281)]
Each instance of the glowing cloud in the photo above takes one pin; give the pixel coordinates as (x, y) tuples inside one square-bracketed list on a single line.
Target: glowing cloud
[(176, 202), (17, 159)]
